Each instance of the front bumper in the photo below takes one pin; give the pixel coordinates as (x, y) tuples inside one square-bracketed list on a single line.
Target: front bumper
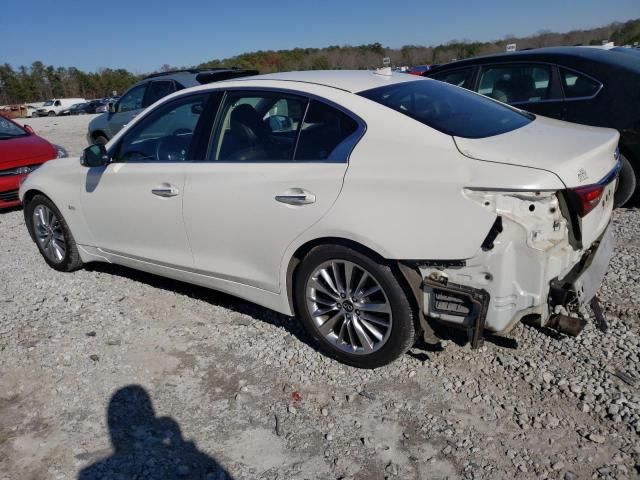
[(9, 191)]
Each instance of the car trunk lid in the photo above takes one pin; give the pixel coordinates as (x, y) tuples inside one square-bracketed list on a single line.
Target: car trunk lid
[(579, 155)]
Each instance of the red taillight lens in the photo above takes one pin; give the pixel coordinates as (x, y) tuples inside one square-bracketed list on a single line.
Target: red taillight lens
[(588, 198)]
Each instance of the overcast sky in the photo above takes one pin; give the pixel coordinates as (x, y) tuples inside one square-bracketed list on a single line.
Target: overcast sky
[(142, 35)]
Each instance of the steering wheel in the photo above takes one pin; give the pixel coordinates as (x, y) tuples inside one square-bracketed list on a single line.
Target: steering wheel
[(172, 148)]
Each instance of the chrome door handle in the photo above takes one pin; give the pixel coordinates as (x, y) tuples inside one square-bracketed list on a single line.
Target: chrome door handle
[(165, 190), (296, 196)]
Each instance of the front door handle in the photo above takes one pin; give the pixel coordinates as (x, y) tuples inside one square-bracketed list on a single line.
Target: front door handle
[(296, 196), (165, 190)]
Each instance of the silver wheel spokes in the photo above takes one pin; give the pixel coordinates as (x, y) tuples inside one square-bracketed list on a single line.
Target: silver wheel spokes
[(49, 233), (349, 307)]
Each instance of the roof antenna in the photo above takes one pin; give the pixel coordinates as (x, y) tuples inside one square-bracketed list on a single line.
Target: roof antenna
[(386, 70)]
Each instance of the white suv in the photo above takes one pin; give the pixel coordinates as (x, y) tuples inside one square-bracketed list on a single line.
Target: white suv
[(371, 205)]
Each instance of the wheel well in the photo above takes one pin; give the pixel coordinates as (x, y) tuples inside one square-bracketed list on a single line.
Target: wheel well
[(302, 251), (98, 133), (27, 198)]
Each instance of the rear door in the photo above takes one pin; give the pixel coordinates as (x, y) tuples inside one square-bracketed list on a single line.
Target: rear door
[(580, 92), (276, 165), (530, 86)]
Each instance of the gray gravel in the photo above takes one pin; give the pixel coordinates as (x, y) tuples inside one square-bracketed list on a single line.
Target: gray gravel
[(227, 389)]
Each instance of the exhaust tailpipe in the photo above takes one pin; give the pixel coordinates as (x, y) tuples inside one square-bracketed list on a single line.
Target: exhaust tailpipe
[(571, 326)]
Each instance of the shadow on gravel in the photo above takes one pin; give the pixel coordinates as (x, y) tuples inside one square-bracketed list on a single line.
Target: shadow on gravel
[(208, 295), (10, 210), (146, 446)]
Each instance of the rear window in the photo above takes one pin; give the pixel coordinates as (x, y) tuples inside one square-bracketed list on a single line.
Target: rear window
[(451, 110)]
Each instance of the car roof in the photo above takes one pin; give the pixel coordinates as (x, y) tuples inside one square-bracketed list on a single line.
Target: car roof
[(590, 54), (347, 80), (198, 76)]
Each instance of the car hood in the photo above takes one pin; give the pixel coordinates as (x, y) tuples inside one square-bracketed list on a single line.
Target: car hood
[(577, 154), (27, 150)]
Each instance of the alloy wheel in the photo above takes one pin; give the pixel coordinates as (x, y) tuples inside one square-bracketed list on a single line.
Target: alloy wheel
[(349, 307), (49, 233)]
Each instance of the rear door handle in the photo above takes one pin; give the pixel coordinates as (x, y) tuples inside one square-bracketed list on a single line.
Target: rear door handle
[(165, 190), (296, 196)]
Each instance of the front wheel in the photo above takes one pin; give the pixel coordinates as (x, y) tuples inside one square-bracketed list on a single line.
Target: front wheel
[(52, 114), (52, 235), (354, 306)]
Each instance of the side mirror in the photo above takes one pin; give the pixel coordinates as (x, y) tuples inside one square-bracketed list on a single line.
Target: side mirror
[(95, 156), (111, 107), (29, 129)]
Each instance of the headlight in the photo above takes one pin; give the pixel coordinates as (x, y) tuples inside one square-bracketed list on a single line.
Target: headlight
[(62, 153), (18, 171)]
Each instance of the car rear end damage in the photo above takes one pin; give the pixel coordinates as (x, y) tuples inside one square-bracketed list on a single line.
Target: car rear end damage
[(546, 249)]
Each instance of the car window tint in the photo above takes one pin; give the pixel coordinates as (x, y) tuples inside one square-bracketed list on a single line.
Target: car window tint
[(576, 85), (457, 77), (132, 100), (516, 83), (166, 134), (451, 110), (258, 127), (158, 90), (323, 130), (9, 129)]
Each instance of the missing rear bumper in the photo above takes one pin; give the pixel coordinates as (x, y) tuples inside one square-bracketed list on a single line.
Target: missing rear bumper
[(457, 306)]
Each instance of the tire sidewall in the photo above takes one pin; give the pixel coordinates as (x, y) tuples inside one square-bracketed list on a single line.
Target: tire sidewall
[(626, 183), (403, 328)]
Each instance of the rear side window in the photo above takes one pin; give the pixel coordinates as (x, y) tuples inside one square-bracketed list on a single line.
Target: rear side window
[(323, 130), (516, 83), (576, 85), (158, 90), (451, 110), (457, 77)]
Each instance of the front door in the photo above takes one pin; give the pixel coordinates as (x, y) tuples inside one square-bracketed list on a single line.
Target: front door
[(126, 109), (275, 168), (134, 205)]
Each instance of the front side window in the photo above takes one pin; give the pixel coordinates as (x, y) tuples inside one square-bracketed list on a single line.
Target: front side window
[(132, 100), (324, 129), (516, 83), (58, 103), (166, 134), (9, 129), (258, 127), (576, 85), (457, 77), (453, 111), (158, 90)]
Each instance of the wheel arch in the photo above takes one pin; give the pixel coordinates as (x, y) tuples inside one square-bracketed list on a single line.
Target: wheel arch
[(99, 133), (298, 255), (28, 196)]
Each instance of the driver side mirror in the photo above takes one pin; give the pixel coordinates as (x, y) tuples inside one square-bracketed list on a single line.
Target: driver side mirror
[(29, 129), (111, 107), (95, 156)]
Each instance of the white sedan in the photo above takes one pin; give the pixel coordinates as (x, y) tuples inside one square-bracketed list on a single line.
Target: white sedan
[(370, 205)]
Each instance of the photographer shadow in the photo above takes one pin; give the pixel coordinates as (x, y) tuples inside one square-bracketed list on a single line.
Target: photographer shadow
[(150, 447)]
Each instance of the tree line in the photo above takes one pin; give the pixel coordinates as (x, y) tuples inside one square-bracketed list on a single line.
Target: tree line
[(38, 81)]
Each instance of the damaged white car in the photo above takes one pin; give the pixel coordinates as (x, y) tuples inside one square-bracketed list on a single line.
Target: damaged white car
[(370, 205)]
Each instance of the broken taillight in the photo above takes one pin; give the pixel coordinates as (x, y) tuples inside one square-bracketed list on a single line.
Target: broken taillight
[(586, 198)]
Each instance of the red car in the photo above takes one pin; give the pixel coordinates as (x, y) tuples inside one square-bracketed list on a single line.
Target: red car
[(21, 152)]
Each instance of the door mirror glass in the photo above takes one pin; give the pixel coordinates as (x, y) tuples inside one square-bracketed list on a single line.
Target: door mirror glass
[(95, 156)]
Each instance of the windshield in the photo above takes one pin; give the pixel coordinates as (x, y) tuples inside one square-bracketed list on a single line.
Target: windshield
[(48, 103), (9, 129), (449, 109)]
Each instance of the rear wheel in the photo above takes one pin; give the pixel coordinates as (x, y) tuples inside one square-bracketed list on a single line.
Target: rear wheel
[(52, 235), (353, 306), (627, 182)]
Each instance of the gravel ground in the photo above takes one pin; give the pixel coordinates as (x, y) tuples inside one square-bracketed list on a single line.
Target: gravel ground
[(110, 373)]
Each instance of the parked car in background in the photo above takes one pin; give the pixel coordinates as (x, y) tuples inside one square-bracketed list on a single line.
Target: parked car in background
[(384, 202), (592, 86), (21, 152), (83, 108), (149, 90), (418, 69), (53, 107)]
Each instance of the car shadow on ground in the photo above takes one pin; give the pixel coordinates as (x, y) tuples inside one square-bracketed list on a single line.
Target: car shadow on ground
[(10, 210), (146, 446)]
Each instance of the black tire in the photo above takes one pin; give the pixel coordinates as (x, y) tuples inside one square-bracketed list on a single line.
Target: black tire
[(100, 140), (403, 328), (51, 113), (627, 182), (71, 260)]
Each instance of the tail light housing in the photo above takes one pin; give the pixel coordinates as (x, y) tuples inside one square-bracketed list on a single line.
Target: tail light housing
[(586, 198)]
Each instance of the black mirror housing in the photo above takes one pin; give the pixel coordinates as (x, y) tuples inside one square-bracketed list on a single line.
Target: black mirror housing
[(95, 156)]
